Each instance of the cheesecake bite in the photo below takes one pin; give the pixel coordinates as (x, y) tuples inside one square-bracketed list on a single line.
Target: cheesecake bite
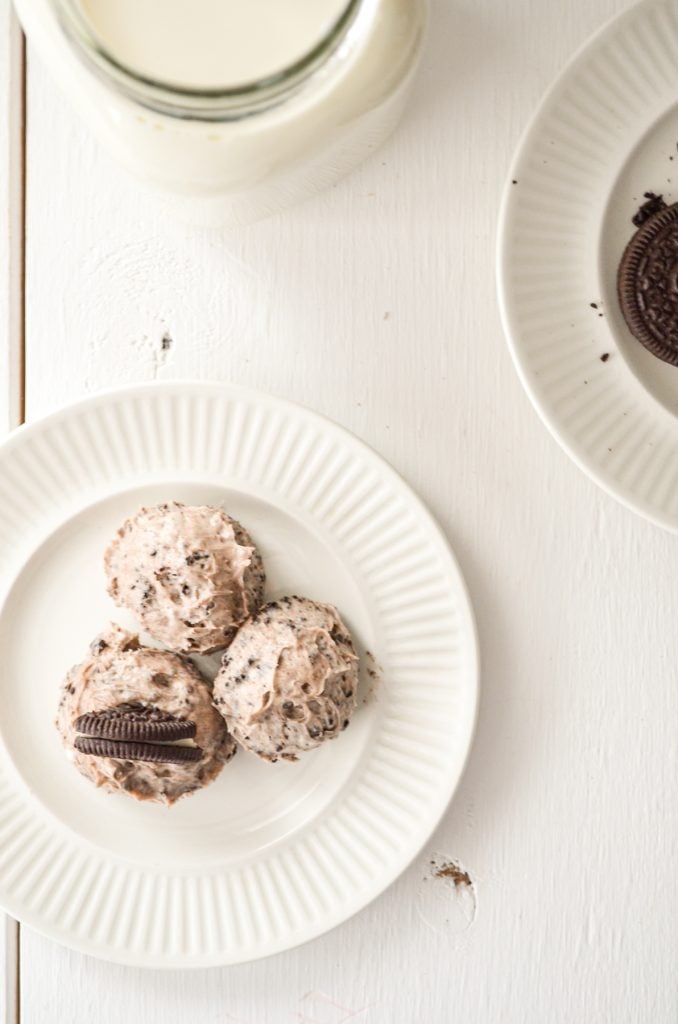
[(140, 721), (189, 573), (288, 682)]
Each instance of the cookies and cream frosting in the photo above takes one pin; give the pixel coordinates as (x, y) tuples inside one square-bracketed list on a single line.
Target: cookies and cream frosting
[(190, 575), (288, 681)]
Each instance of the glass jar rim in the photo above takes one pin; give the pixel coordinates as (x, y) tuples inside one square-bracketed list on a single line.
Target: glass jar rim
[(203, 104)]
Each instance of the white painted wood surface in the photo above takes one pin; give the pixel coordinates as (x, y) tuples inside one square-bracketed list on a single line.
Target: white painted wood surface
[(11, 217), (374, 304), (11, 344)]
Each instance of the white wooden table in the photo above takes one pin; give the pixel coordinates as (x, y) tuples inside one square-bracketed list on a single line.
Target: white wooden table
[(374, 304)]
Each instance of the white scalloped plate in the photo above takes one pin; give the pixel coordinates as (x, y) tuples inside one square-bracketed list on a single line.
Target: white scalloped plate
[(606, 133), (268, 856)]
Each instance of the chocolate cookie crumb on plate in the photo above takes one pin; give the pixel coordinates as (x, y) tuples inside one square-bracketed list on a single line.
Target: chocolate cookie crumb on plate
[(647, 282), (653, 205)]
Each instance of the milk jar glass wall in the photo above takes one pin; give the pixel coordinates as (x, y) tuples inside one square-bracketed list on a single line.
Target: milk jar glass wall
[(237, 108)]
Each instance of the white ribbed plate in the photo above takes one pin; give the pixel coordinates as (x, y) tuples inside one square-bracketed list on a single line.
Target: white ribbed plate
[(606, 133), (269, 855)]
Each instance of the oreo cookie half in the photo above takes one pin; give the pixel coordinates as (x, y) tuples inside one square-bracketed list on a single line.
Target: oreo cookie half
[(135, 722), (136, 732), (136, 751), (647, 284)]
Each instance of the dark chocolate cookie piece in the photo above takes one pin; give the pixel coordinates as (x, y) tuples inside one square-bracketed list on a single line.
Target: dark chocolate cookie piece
[(647, 284), (653, 204), (98, 746)]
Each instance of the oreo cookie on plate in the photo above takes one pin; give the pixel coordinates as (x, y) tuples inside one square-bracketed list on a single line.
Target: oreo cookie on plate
[(647, 281)]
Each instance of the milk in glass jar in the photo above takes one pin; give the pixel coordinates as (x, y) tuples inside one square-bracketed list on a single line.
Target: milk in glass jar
[(239, 106)]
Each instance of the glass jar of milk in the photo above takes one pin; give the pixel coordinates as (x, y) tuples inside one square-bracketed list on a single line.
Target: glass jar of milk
[(240, 106)]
